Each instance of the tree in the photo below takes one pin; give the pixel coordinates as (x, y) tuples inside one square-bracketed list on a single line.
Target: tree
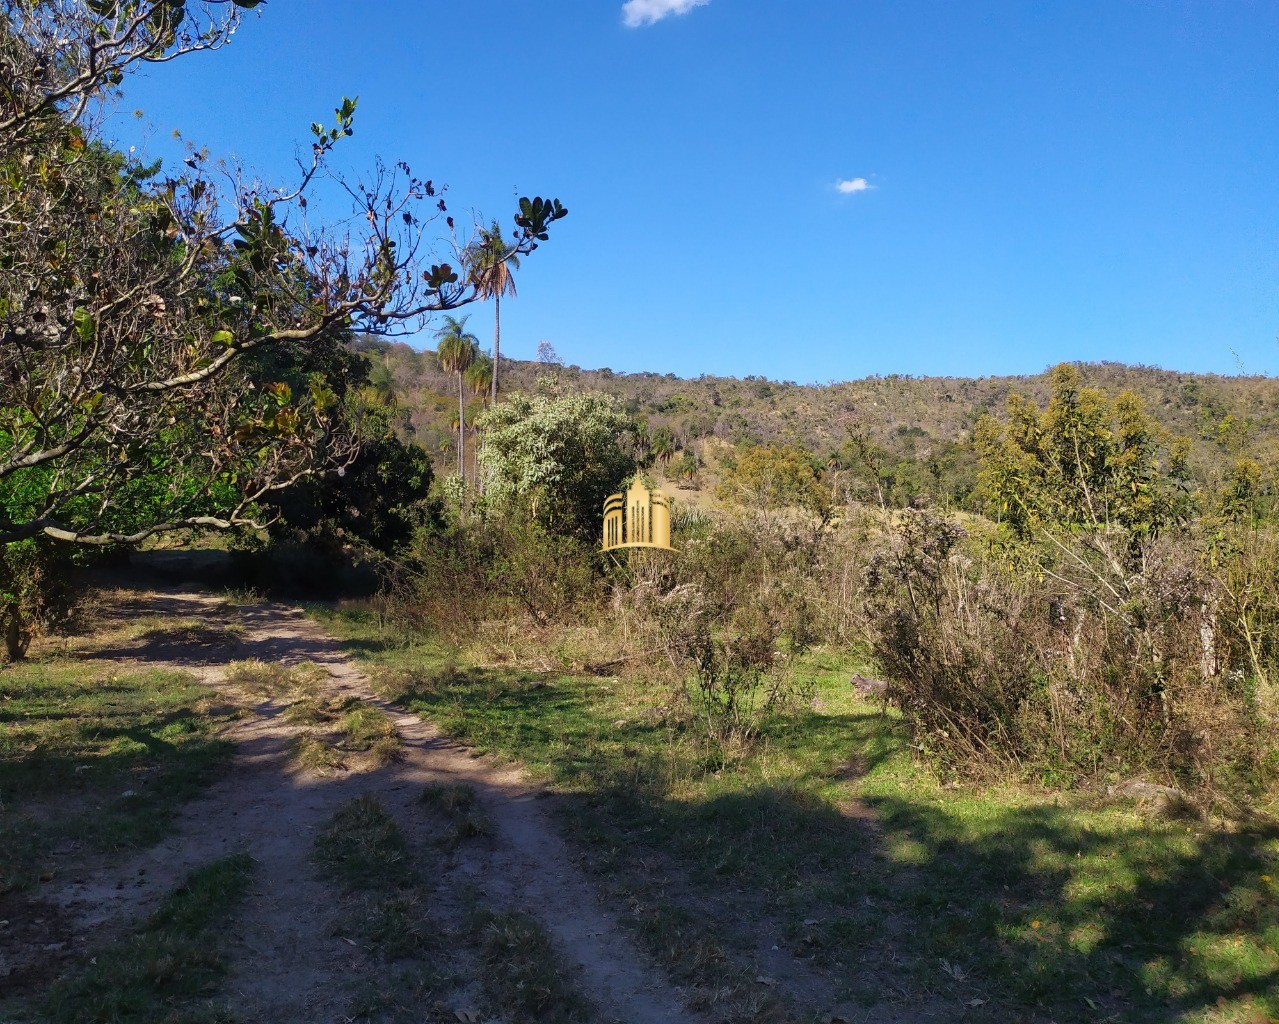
[(1085, 464), (663, 445), (491, 261), (769, 478), (456, 351), (557, 458), (479, 379), (128, 306), (479, 376), (136, 308)]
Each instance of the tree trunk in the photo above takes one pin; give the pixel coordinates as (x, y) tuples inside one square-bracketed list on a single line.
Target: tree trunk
[(14, 647), (497, 341), (461, 429)]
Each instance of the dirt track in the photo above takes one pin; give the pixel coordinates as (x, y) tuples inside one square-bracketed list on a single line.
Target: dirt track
[(289, 966)]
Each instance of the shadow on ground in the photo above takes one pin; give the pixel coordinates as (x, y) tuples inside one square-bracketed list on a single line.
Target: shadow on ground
[(997, 910)]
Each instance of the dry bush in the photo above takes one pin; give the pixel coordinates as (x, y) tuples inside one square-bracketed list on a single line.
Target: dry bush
[(1063, 661), (491, 570), (728, 618)]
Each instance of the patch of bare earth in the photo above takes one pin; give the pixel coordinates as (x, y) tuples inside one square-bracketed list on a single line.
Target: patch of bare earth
[(290, 964)]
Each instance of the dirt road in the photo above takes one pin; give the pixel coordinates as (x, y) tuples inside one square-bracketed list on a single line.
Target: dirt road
[(289, 965)]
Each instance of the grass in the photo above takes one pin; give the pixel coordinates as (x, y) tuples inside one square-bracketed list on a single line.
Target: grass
[(341, 726), (829, 841), (363, 849), (170, 969), (456, 802), (269, 680), (520, 973), (370, 729), (101, 757), (338, 726)]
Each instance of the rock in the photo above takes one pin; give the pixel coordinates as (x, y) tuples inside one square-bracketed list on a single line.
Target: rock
[(863, 684), (1163, 800)]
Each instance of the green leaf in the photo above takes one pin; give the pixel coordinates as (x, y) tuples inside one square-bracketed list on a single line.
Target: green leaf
[(222, 338), (84, 325)]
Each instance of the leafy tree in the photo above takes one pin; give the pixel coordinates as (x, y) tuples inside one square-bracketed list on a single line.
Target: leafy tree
[(1083, 463), (456, 352), (136, 312), (378, 500), (768, 478), (492, 259), (557, 458), (127, 308)]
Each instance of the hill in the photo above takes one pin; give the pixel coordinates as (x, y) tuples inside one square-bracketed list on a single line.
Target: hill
[(916, 430)]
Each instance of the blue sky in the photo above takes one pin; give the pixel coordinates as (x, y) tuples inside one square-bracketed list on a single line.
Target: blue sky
[(1022, 183)]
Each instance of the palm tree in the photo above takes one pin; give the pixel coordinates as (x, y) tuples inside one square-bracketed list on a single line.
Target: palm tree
[(663, 445), (479, 378), (492, 261), (456, 351), (383, 386), (479, 375)]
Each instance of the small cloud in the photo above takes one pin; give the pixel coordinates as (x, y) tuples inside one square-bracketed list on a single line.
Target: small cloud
[(847, 186), (636, 13)]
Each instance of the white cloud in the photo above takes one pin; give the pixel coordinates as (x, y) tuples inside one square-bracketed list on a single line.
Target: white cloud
[(850, 185), (636, 13)]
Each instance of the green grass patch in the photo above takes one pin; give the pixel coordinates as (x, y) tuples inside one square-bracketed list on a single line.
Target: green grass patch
[(1007, 897), (369, 729), (362, 848), (455, 801), (365, 852), (521, 973), (100, 757), (168, 971)]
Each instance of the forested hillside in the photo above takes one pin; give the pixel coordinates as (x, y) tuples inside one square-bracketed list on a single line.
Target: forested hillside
[(917, 432)]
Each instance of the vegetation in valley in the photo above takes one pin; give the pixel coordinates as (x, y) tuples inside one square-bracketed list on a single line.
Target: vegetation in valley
[(881, 440)]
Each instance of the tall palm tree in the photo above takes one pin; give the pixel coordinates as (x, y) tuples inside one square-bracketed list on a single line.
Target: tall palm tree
[(479, 378), (491, 265), (456, 351)]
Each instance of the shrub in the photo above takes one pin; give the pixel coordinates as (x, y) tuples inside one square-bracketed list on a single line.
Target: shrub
[(730, 615), (554, 460), (1055, 662), (473, 570)]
